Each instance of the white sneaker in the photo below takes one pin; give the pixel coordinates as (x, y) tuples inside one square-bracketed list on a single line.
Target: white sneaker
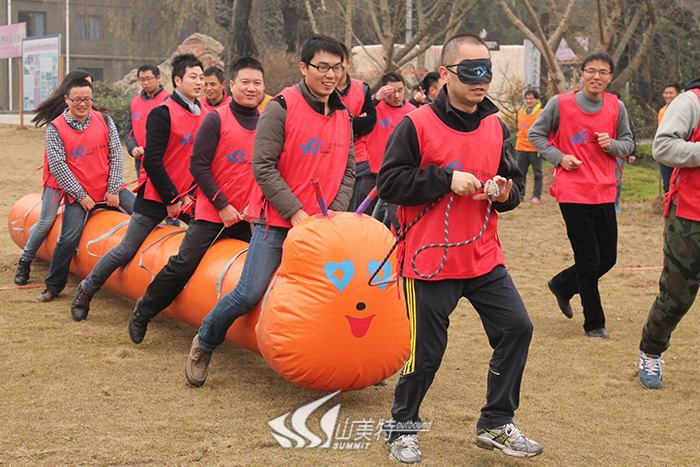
[(509, 440), (650, 374), (405, 449)]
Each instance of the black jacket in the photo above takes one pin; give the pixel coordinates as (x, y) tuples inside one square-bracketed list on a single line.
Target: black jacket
[(401, 180), (157, 137)]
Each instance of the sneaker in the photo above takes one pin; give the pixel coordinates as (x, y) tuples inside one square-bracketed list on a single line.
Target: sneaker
[(617, 208), (600, 333), (138, 324), (22, 274), (509, 440), (47, 295), (405, 450), (80, 306), (197, 365), (650, 373), (564, 303), (535, 201)]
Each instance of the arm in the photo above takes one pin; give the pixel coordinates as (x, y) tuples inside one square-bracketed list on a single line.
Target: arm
[(116, 159), (538, 135), (56, 154), (129, 140), (269, 141), (508, 169), (157, 137), (401, 180), (342, 198), (671, 146), (205, 144), (363, 125), (623, 145)]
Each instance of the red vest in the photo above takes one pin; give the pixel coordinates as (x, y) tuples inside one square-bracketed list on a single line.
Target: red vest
[(315, 146), (87, 154), (594, 181), (354, 101), (139, 113), (445, 147), (387, 119), (686, 181), (231, 167), (183, 127), (525, 121), (226, 100)]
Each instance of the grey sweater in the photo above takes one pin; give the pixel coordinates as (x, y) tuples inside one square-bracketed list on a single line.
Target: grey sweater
[(548, 122), (671, 146)]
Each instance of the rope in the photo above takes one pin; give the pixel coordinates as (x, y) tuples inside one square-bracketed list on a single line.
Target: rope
[(446, 245)]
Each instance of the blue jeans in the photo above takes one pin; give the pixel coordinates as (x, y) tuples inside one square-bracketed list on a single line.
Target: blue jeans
[(263, 257), (50, 203), (74, 218), (140, 226)]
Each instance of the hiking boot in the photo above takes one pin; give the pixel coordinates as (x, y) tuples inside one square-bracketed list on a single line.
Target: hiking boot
[(564, 303), (600, 333), (405, 450), (80, 306), (137, 324), (47, 295), (650, 373), (22, 274), (509, 440), (197, 365)]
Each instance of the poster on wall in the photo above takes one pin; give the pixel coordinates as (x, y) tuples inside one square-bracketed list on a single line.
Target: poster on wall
[(11, 40), (40, 69)]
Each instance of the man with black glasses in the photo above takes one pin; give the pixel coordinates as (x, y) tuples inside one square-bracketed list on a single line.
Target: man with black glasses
[(590, 129)]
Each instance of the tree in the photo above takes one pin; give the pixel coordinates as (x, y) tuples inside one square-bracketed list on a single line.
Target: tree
[(387, 21), (612, 29)]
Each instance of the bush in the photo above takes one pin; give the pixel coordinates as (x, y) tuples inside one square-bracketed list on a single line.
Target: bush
[(112, 102)]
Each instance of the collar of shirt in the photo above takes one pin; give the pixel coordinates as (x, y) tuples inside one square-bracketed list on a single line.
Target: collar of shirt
[(76, 124), (194, 108)]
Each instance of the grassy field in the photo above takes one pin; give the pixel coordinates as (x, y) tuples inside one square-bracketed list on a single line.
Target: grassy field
[(83, 394)]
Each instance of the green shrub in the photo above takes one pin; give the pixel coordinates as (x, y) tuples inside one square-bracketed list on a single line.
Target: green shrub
[(112, 102)]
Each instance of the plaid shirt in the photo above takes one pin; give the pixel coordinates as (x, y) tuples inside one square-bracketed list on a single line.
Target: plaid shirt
[(56, 153)]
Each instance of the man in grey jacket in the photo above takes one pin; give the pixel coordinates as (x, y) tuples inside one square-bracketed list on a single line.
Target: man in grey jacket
[(677, 144), (590, 129), (304, 133)]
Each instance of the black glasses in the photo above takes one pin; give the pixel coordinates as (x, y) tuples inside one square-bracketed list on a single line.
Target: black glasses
[(87, 100), (325, 68), (593, 71)]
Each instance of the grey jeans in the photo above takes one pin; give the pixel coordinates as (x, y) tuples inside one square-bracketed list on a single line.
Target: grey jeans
[(140, 226)]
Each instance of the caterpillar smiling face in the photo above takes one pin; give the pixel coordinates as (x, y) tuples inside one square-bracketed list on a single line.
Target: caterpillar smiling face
[(325, 326)]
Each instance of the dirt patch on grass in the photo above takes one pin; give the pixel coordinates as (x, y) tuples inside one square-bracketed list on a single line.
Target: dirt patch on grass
[(82, 394)]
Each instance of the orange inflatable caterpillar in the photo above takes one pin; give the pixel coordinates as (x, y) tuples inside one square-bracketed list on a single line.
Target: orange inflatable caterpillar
[(320, 324)]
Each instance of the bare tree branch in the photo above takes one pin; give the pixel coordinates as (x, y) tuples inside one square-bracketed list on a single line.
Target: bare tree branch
[(647, 41), (310, 12)]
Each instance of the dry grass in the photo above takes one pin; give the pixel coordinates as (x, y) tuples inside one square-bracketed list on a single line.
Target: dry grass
[(82, 394)]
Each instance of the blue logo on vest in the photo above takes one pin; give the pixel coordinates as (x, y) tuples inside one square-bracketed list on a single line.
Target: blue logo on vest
[(454, 165), (312, 146), (580, 138), (386, 123), (136, 116), (236, 157), (79, 152), (186, 140)]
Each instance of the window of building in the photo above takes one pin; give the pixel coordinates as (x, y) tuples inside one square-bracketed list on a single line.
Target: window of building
[(88, 27), (36, 22)]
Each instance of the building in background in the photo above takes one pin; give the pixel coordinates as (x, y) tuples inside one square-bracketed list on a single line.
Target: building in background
[(107, 38)]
